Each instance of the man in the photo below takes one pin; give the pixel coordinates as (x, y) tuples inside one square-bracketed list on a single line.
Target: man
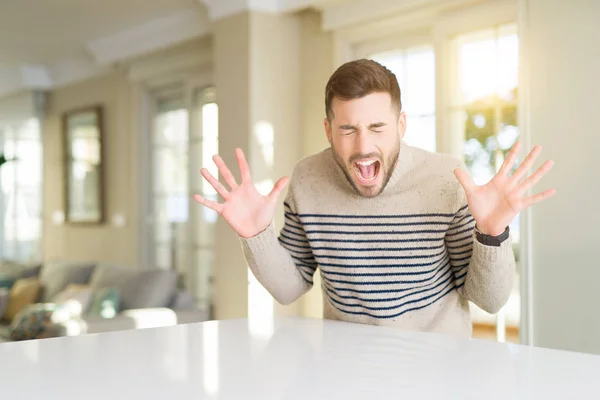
[(401, 236)]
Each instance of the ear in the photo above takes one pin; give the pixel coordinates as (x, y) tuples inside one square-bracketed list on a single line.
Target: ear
[(402, 124), (327, 129)]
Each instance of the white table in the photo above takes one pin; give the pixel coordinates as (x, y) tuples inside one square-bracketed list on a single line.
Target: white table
[(301, 359)]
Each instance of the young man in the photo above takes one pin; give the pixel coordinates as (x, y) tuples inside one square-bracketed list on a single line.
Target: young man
[(401, 236)]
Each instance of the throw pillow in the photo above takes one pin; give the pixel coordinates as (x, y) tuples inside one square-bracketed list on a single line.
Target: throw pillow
[(105, 303), (6, 281), (4, 294), (76, 298), (39, 321), (23, 293), (56, 277)]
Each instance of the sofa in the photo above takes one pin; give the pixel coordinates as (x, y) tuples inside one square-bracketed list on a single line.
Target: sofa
[(75, 298)]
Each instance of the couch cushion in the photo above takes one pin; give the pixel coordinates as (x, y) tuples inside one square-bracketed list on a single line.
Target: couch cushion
[(19, 270), (4, 295), (23, 293), (76, 297), (55, 277), (39, 321), (105, 303), (4, 335), (138, 288)]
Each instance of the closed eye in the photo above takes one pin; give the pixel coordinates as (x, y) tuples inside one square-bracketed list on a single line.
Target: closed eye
[(347, 129), (376, 127)]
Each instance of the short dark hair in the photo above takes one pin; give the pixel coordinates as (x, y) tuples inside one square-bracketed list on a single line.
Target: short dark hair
[(359, 78)]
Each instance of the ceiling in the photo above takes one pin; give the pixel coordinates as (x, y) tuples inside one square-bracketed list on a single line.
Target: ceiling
[(41, 32), (49, 43)]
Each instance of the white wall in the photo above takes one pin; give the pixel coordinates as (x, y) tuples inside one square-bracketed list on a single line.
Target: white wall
[(562, 66)]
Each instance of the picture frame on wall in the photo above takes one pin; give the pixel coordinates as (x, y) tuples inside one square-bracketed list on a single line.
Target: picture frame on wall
[(83, 132)]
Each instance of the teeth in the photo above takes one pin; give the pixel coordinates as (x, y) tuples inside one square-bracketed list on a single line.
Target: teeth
[(365, 163)]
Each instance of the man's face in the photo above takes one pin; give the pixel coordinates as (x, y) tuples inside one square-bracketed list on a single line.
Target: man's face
[(365, 136)]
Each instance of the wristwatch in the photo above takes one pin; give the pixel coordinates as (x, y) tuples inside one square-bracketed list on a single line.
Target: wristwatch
[(489, 240)]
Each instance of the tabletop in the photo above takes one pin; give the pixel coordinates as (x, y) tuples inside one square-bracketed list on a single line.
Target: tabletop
[(289, 358)]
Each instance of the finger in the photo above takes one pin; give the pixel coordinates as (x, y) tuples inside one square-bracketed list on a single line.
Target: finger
[(215, 183), (509, 162), (465, 180), (539, 197), (243, 164), (209, 203), (278, 188), (225, 172), (527, 163), (535, 178)]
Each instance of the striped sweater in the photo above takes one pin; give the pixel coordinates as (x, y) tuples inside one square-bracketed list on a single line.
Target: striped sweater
[(407, 257)]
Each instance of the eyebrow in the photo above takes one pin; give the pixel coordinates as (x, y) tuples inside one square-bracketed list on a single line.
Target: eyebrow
[(354, 127)]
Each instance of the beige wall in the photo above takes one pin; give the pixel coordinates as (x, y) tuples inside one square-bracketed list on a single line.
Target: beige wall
[(562, 64), (317, 66), (104, 243), (258, 79)]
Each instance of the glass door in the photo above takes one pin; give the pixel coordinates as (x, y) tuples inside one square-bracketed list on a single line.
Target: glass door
[(484, 113), (184, 138)]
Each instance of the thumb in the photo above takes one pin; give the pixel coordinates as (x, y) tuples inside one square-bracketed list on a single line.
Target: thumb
[(278, 188), (465, 180)]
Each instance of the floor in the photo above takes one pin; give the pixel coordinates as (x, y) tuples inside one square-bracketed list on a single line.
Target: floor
[(488, 332)]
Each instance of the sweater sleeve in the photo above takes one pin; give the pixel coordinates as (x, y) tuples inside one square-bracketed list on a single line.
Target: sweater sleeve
[(283, 263), (483, 274)]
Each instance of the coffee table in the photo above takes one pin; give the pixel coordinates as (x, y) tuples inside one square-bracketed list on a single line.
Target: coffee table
[(289, 358)]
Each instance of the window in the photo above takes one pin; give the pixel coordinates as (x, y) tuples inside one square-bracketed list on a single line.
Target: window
[(415, 70), (21, 191), (204, 143), (184, 139), (484, 113), (484, 110)]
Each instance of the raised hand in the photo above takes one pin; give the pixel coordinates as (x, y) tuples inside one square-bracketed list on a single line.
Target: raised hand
[(244, 208), (497, 203)]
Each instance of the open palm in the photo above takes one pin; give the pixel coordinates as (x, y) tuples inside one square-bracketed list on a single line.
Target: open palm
[(244, 208), (495, 204)]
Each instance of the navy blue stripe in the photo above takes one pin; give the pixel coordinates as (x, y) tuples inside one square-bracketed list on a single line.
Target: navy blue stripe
[(305, 260), (311, 232), (463, 208), (454, 234), (462, 218), (364, 216), (379, 257), (375, 240), (389, 291), (399, 249), (400, 313), (310, 270), (353, 266), (309, 281), (377, 223), (395, 307), (455, 260), (459, 266), (468, 245), (290, 216), (293, 239), (459, 277), (460, 253), (459, 227), (293, 221), (375, 283), (286, 244), (293, 230), (469, 236), (372, 274), (421, 289)]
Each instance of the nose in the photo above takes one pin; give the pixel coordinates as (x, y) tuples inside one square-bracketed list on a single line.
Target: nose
[(364, 142)]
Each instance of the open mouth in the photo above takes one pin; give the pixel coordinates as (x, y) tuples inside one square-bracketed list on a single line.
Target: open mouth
[(367, 170)]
